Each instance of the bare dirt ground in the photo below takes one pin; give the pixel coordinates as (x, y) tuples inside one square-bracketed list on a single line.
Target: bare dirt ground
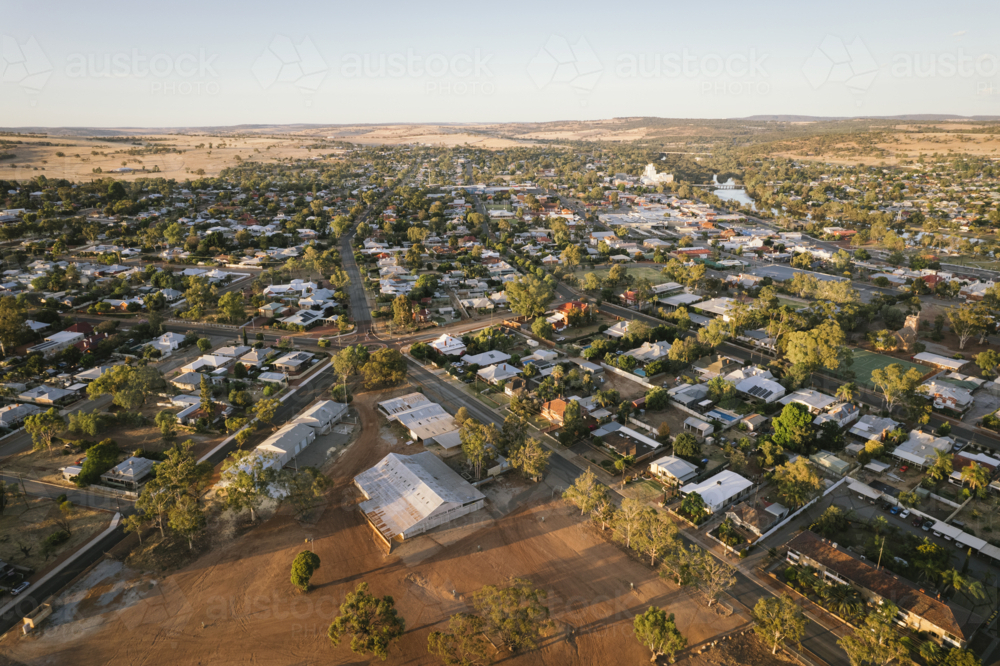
[(27, 522), (235, 604), (627, 389)]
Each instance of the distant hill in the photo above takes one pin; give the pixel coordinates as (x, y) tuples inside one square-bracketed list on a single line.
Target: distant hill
[(916, 117)]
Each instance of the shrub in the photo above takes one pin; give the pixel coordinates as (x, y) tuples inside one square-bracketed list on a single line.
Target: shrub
[(53, 541)]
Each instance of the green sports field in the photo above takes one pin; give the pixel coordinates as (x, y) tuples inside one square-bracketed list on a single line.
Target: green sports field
[(866, 362)]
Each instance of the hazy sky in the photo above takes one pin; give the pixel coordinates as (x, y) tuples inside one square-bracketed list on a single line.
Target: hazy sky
[(183, 63)]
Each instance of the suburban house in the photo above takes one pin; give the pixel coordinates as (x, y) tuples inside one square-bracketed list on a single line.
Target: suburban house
[(293, 362), (758, 518), (627, 442), (873, 427), (486, 358), (209, 363), (812, 400), (649, 352), (921, 448), (188, 381), (129, 474), (711, 367), (500, 372), (11, 416), (57, 342), (255, 358), (918, 611), (618, 330), (721, 490), (50, 395), (448, 345), (554, 411), (841, 414), (168, 342), (673, 470)]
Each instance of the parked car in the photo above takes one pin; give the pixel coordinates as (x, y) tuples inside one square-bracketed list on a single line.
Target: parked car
[(926, 527), (917, 522), (20, 588), (905, 514), (895, 510)]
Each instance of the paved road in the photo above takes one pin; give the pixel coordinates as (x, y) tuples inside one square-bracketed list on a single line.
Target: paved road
[(21, 441), (79, 496)]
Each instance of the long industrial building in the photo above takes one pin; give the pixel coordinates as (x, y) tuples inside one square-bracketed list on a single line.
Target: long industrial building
[(408, 495)]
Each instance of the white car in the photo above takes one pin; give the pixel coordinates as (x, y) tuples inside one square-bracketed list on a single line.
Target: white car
[(905, 514), (19, 589)]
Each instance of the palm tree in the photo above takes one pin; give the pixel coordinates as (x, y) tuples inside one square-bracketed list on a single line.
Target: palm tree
[(931, 652), (976, 477), (952, 578), (844, 600), (622, 465), (846, 392), (879, 525)]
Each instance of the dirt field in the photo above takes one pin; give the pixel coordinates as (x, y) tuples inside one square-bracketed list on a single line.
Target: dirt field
[(236, 603), (627, 389), (27, 524)]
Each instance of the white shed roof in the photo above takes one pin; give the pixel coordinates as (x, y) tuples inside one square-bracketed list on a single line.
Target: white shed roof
[(405, 490)]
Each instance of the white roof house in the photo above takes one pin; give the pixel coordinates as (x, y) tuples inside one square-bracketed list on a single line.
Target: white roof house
[(233, 352), (761, 387), (14, 415), (921, 448), (720, 490), (487, 358), (322, 415), (841, 414), (673, 468), (946, 395), (256, 357), (293, 361), (650, 351), (618, 330), (498, 373), (209, 361), (448, 345), (167, 342), (409, 495), (812, 400), (717, 306), (873, 427)]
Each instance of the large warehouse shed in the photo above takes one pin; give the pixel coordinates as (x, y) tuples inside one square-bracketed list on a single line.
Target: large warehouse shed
[(409, 495)]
